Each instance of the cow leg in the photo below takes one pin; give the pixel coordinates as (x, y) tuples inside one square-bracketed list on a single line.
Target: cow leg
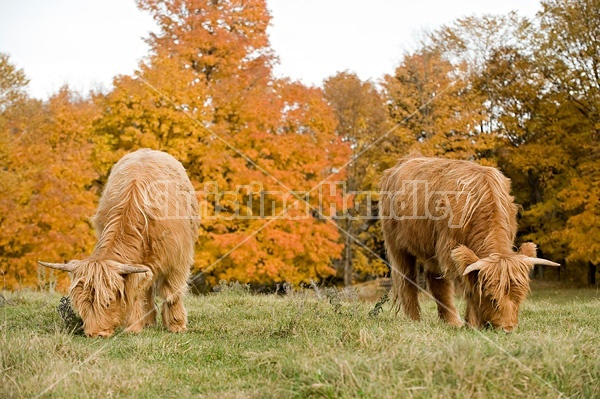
[(405, 290), (174, 315), (150, 307), (135, 317), (442, 290), (470, 315), (136, 286)]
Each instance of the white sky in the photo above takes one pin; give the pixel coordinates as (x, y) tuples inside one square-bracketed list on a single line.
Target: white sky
[(85, 43)]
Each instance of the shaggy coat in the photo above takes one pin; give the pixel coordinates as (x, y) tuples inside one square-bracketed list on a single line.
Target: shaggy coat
[(147, 224), (459, 219)]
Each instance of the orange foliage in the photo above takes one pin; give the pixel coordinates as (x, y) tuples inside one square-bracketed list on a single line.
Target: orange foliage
[(47, 184), (254, 145), (207, 96)]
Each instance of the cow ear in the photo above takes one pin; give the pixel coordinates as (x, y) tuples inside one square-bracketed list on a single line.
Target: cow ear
[(130, 269), (528, 249), (463, 257)]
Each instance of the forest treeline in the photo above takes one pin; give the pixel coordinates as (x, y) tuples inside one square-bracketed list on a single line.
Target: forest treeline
[(517, 93)]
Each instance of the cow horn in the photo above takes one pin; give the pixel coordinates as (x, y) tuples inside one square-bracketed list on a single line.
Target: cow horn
[(474, 266), (129, 269), (67, 267), (540, 261)]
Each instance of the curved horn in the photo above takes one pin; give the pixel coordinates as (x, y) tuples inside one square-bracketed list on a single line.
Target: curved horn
[(67, 267), (474, 266), (540, 261), (129, 269)]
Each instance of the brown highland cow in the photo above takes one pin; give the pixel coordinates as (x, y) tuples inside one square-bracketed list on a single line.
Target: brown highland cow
[(147, 225), (459, 219)]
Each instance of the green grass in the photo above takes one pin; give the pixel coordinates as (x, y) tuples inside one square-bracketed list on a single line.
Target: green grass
[(241, 345)]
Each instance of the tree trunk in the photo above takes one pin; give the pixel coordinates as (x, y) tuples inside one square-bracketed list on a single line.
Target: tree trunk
[(348, 269), (591, 274)]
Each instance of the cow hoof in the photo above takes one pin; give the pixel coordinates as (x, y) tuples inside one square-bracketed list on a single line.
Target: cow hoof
[(101, 334), (135, 329), (176, 329), (455, 323)]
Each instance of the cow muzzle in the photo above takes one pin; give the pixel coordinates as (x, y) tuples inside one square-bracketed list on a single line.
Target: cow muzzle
[(509, 328)]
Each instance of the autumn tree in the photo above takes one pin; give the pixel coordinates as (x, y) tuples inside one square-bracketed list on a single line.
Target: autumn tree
[(477, 44), (567, 52), (539, 83), (206, 94), (364, 124), (46, 178), (12, 83), (271, 159), (432, 101)]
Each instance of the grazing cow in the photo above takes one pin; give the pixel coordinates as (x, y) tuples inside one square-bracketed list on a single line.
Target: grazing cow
[(459, 219), (147, 224)]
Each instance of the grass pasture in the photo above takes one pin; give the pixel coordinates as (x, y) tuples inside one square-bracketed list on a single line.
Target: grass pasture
[(240, 345)]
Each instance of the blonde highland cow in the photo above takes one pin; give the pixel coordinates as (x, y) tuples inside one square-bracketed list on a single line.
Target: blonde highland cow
[(147, 225), (459, 219)]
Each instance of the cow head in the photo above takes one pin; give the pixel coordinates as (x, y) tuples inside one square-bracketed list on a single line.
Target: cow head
[(498, 284), (97, 292)]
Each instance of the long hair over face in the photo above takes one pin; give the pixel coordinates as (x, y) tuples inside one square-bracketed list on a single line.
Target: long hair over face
[(97, 293), (500, 286), (505, 276)]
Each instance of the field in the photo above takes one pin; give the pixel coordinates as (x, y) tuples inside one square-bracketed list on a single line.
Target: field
[(304, 344)]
